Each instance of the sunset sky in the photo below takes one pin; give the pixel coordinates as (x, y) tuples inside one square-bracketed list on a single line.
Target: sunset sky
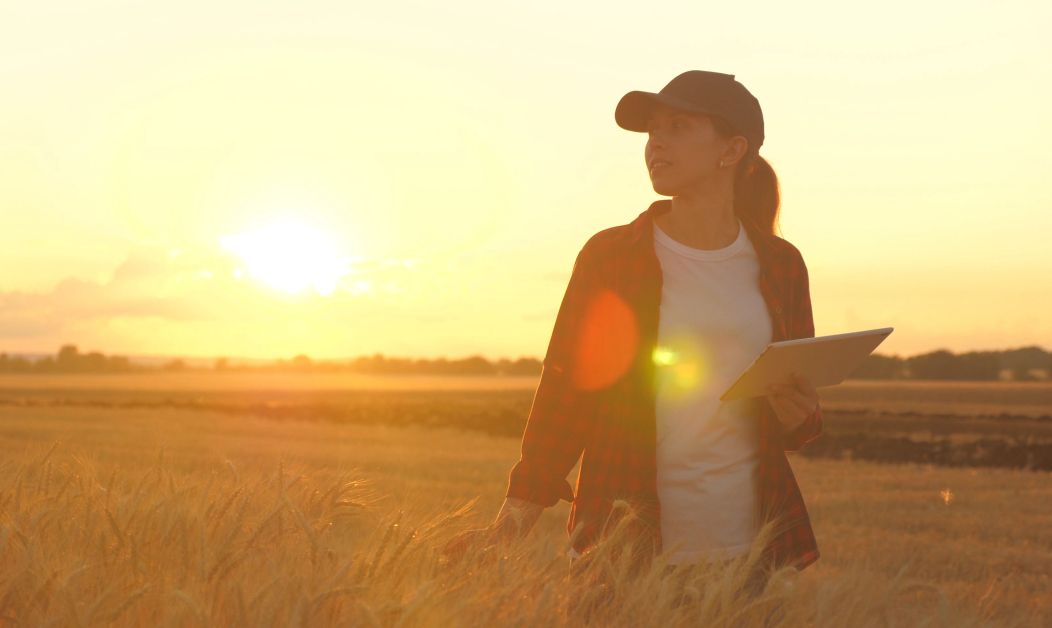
[(262, 179)]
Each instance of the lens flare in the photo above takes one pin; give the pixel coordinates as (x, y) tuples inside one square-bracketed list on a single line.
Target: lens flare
[(663, 356), (683, 365), (607, 343)]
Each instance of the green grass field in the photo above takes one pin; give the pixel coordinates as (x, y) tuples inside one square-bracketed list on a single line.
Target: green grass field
[(166, 516)]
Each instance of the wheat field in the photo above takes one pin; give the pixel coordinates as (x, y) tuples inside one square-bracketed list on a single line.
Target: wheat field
[(169, 517)]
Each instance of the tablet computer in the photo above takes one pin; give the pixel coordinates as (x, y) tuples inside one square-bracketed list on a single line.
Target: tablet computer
[(824, 360)]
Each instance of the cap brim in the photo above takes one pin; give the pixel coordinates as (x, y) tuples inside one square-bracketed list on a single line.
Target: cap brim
[(635, 108)]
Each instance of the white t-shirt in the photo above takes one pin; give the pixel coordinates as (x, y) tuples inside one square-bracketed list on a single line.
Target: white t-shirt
[(714, 322)]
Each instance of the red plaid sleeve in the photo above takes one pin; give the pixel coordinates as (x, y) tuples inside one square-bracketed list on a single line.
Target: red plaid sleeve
[(560, 415), (803, 327)]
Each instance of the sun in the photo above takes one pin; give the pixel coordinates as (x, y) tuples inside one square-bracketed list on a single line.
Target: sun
[(290, 256)]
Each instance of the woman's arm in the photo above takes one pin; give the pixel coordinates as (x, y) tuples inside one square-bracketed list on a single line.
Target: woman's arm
[(554, 436), (803, 327), (561, 413)]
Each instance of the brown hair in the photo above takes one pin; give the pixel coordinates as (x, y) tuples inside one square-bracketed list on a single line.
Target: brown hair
[(756, 194)]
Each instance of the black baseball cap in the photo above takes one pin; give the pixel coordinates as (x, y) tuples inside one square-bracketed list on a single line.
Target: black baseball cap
[(697, 91)]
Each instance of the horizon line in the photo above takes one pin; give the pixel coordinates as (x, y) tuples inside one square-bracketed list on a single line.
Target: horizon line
[(213, 357)]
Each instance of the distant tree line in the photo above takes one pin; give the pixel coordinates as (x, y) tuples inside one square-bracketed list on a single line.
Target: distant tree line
[(1025, 364), (1028, 363), (69, 360), (378, 364)]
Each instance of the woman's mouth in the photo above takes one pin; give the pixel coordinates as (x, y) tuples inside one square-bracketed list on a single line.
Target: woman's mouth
[(657, 164)]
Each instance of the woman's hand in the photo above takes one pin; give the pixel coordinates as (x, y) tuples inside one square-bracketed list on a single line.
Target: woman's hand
[(793, 401), (514, 520)]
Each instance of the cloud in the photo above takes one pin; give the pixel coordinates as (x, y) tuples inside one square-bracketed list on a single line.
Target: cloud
[(176, 285), (139, 287)]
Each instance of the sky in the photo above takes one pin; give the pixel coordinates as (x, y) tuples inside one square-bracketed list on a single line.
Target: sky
[(264, 179)]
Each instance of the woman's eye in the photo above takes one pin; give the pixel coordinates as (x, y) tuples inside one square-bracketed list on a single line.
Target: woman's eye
[(673, 124)]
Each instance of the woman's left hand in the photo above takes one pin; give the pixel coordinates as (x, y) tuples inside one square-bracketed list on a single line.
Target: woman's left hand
[(793, 401)]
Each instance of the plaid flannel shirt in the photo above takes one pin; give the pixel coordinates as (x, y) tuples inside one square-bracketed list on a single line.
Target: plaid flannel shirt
[(596, 395)]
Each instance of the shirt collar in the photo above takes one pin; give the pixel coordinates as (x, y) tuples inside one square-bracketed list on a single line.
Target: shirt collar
[(641, 231)]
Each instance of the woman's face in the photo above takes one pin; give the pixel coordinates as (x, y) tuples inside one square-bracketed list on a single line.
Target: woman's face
[(683, 150)]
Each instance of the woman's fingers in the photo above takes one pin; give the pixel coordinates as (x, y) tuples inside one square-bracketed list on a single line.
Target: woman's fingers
[(780, 407), (805, 385), (801, 401), (798, 391), (788, 414), (789, 406)]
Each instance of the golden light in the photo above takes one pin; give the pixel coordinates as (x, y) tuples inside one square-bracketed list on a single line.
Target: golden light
[(663, 356), (683, 365), (290, 256)]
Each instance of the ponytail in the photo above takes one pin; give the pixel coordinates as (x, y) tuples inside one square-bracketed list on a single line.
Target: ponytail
[(756, 194)]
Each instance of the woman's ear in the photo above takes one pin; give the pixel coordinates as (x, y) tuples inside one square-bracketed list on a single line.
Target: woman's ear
[(735, 150)]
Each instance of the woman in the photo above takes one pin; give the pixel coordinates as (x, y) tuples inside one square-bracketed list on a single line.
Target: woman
[(659, 317)]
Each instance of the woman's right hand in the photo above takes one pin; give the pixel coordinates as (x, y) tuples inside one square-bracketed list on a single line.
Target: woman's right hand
[(515, 519)]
